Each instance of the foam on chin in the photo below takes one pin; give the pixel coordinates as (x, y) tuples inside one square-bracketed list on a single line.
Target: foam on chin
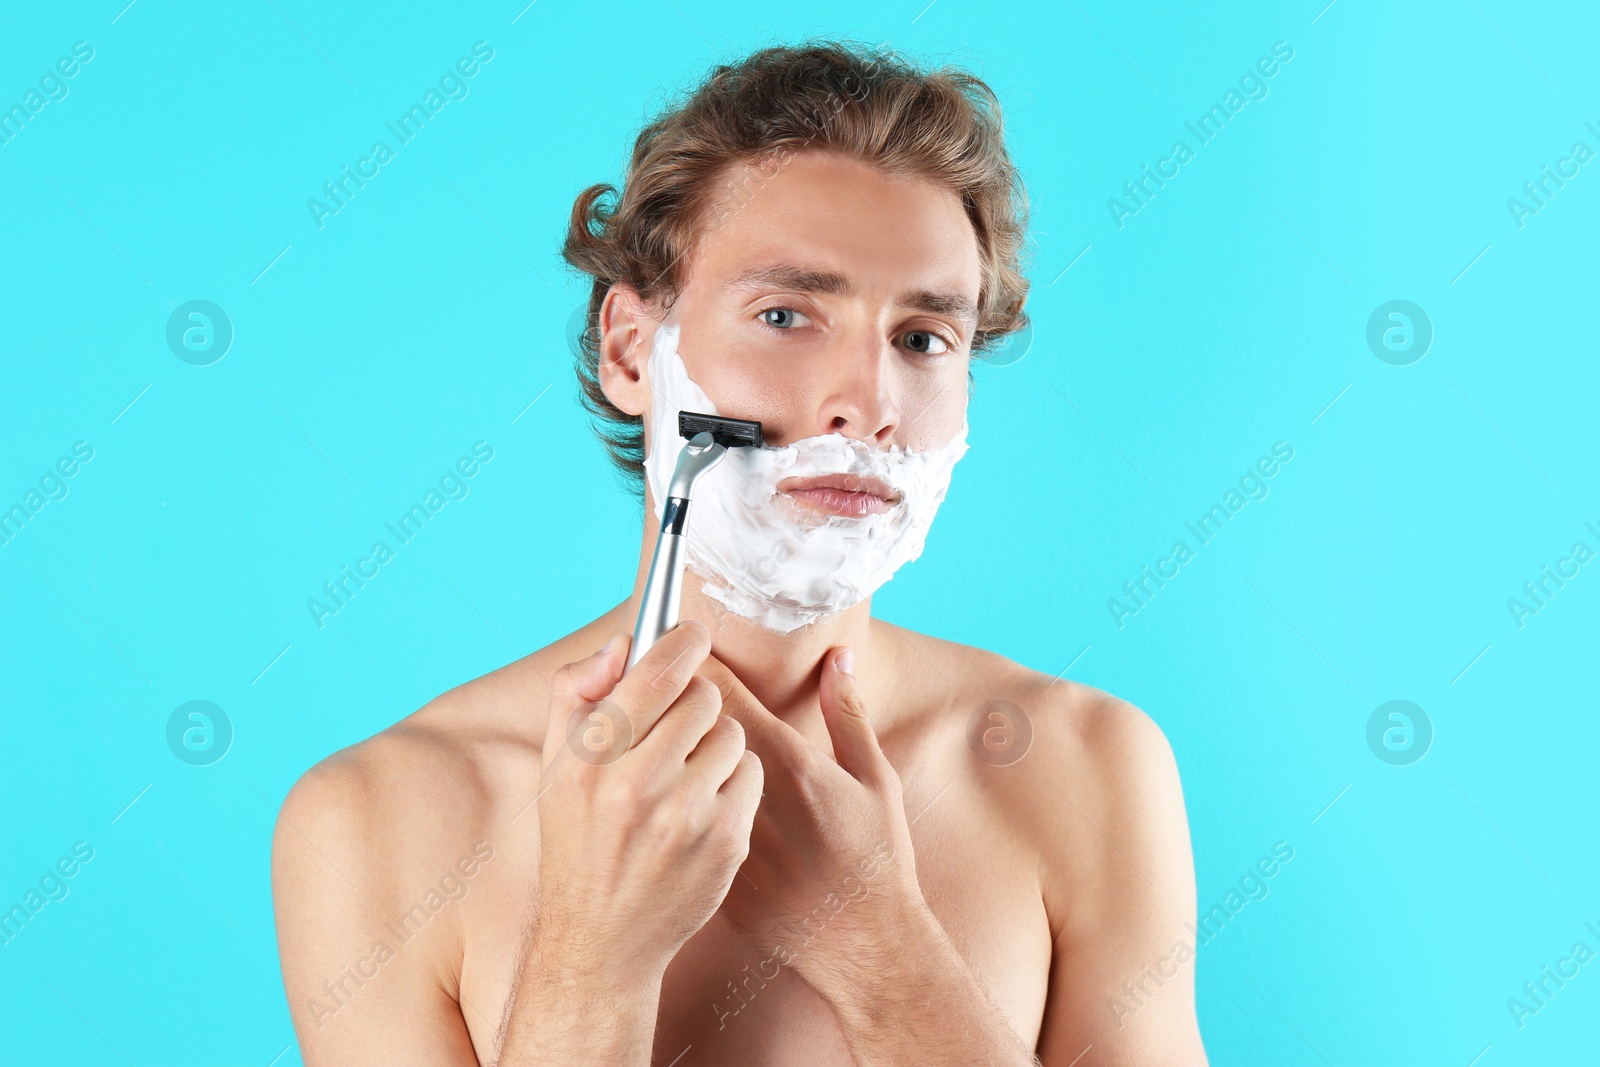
[(765, 556)]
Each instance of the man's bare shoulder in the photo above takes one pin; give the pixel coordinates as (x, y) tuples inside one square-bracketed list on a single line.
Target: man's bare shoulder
[(414, 791), (1078, 729), (438, 764), (1085, 779)]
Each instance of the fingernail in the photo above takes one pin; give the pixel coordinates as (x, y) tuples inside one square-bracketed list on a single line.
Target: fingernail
[(611, 645), (846, 662)]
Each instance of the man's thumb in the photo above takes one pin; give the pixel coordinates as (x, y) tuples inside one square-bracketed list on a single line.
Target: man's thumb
[(585, 681)]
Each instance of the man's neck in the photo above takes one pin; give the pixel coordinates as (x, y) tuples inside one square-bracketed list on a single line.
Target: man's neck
[(782, 671)]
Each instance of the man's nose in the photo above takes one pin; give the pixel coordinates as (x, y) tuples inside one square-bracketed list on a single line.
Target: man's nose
[(858, 396)]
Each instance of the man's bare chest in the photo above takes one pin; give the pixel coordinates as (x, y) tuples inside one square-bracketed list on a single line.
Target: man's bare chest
[(725, 1002)]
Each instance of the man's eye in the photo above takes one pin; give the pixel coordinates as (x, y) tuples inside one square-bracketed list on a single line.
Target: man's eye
[(785, 317), (927, 342)]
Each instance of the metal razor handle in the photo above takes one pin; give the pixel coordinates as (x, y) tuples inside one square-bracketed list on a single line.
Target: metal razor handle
[(658, 607), (658, 610)]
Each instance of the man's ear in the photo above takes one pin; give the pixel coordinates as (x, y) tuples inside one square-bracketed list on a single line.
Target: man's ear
[(627, 332)]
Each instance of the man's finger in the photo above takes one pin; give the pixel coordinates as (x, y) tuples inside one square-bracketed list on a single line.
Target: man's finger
[(660, 676), (764, 733), (598, 673), (583, 681), (855, 744)]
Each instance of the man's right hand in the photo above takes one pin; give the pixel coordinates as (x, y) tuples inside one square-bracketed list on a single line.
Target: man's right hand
[(645, 808)]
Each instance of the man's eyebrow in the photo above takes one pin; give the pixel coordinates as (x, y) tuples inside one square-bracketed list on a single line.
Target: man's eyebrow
[(832, 283), (798, 279), (958, 305)]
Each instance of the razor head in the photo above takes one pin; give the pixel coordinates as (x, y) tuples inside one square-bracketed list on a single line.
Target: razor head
[(730, 433)]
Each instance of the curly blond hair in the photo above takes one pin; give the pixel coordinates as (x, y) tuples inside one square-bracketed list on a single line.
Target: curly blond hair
[(862, 101)]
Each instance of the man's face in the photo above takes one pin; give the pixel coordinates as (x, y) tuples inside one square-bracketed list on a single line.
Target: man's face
[(826, 296)]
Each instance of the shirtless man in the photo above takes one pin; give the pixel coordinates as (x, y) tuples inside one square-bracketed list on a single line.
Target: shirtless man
[(794, 853)]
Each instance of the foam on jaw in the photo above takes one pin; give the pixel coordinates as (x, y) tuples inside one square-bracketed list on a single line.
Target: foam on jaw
[(763, 555)]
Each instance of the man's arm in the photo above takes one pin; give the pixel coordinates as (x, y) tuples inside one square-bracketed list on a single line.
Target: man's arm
[(371, 982), (357, 994), (644, 816), (1122, 978)]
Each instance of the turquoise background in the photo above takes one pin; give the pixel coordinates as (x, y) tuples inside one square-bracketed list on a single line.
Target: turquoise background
[(1228, 314)]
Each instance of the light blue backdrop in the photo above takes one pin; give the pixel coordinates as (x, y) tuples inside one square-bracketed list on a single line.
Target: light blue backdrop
[(1170, 351)]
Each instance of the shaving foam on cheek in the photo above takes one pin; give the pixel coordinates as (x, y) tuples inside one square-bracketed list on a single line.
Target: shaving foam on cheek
[(765, 556)]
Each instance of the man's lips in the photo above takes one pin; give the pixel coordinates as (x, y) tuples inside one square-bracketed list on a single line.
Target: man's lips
[(850, 495)]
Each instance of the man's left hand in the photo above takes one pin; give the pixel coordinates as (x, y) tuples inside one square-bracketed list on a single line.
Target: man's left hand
[(830, 880)]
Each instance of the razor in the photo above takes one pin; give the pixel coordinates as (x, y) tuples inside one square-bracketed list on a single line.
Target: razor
[(710, 437)]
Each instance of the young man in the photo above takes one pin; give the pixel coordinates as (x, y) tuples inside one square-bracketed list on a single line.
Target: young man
[(791, 834)]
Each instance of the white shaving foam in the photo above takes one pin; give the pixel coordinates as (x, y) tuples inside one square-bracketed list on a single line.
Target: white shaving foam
[(766, 556)]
